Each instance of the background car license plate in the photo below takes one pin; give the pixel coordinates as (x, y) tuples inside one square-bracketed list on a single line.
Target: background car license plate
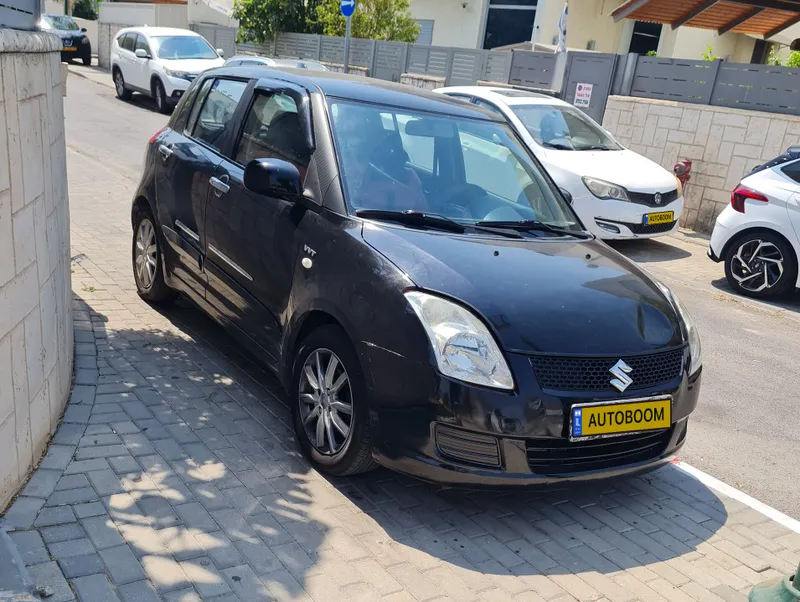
[(605, 419), (69, 48), (659, 218)]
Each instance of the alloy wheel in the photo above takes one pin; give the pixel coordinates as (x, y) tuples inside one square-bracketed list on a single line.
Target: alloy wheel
[(119, 83), (326, 401), (757, 265), (146, 253)]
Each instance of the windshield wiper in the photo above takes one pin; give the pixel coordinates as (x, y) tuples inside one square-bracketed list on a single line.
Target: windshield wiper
[(423, 218), (557, 146), (595, 147), (527, 225)]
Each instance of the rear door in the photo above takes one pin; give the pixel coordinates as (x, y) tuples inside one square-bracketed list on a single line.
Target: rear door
[(126, 56), (188, 155), (792, 173), (251, 241)]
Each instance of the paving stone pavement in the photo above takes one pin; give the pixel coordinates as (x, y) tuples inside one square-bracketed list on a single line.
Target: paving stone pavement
[(175, 476)]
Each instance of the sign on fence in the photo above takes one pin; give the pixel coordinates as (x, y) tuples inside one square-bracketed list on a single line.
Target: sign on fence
[(583, 95)]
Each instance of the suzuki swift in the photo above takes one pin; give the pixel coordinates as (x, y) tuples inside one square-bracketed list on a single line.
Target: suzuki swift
[(426, 294)]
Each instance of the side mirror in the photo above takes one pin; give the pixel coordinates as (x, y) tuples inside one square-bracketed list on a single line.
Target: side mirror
[(83, 29), (273, 177), (221, 52), (141, 53), (566, 194)]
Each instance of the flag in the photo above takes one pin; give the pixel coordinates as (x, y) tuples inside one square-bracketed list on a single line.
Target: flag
[(562, 29)]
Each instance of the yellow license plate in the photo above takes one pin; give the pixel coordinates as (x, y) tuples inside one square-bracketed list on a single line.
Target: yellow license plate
[(659, 218), (69, 48), (618, 418)]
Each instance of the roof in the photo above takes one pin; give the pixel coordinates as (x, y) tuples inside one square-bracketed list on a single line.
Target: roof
[(160, 31), (359, 88), (756, 17), (509, 96)]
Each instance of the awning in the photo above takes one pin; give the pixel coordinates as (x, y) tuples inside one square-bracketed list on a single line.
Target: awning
[(755, 17)]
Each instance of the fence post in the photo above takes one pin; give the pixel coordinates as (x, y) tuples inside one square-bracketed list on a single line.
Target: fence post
[(715, 73), (319, 47), (448, 67), (629, 74), (371, 61)]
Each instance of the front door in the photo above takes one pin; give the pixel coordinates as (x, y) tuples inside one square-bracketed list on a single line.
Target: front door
[(187, 159), (251, 238), (140, 67)]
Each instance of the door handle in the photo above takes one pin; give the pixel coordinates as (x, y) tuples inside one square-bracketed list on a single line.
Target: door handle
[(219, 184), (166, 152)]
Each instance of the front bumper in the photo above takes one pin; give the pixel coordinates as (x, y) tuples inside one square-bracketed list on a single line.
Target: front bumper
[(623, 220), (174, 87), (412, 402)]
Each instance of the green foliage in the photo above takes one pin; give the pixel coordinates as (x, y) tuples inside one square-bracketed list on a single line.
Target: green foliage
[(793, 60), (84, 9), (261, 20), (372, 20), (652, 53), (774, 58), (709, 55)]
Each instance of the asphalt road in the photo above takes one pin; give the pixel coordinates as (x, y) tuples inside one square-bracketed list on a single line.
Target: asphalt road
[(746, 430)]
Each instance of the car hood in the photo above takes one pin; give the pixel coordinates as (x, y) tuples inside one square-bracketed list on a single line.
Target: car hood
[(67, 33), (193, 65), (552, 296), (624, 167)]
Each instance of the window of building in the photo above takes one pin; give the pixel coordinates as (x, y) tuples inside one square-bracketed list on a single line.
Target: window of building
[(425, 31), (645, 37), (509, 22)]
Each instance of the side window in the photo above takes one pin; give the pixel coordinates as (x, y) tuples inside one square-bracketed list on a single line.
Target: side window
[(121, 39), (464, 97), (273, 131), (198, 104), (128, 41), (141, 42), (792, 171), (488, 106), (217, 111)]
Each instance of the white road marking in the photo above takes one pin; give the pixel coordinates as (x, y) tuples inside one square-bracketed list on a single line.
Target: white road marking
[(725, 489)]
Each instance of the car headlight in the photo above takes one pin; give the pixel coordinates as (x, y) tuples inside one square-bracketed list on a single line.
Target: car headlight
[(464, 347), (695, 349), (84, 40), (180, 74), (605, 190)]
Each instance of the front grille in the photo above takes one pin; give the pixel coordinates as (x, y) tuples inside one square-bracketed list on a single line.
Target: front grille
[(465, 446), (649, 199), (561, 456), (650, 228), (592, 373)]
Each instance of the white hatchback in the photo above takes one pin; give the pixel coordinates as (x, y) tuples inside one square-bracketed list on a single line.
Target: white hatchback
[(757, 234), (160, 62), (617, 193)]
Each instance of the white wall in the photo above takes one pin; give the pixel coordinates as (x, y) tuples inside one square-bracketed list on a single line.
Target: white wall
[(200, 12), (91, 31), (155, 15), (588, 20), (36, 338), (453, 25), (691, 43)]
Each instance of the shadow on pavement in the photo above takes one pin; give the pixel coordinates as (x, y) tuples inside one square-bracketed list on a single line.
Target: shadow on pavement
[(516, 537), (649, 250), (789, 301)]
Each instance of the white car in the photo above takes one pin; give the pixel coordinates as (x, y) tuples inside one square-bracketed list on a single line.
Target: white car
[(757, 234), (160, 62), (618, 194)]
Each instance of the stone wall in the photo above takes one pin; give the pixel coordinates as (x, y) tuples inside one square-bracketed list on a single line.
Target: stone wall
[(426, 82), (723, 144), (36, 339), (106, 32)]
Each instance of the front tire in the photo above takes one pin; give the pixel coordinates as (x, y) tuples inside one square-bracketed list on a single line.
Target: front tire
[(761, 265), (148, 267), (87, 59), (330, 405), (160, 96), (119, 85)]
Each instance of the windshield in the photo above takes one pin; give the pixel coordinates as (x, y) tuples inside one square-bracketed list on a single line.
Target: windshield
[(62, 22), (562, 127), (175, 48), (466, 170)]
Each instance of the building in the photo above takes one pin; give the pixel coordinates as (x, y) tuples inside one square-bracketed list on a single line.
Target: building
[(591, 26)]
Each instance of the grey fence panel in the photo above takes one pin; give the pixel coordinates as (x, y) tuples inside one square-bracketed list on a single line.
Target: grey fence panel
[(20, 14), (225, 38), (332, 50), (497, 67), (361, 52), (440, 61), (674, 79), (267, 49), (534, 69), (308, 47), (757, 87), (390, 60), (467, 67), (286, 46), (417, 58), (593, 71)]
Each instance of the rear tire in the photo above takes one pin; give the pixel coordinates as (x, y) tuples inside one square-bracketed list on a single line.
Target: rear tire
[(160, 96), (148, 262), (339, 404), (119, 85), (761, 264)]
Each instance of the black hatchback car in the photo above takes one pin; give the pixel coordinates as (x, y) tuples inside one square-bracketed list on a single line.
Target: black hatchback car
[(426, 294)]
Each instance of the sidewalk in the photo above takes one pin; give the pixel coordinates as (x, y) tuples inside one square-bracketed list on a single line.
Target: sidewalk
[(93, 73), (175, 476)]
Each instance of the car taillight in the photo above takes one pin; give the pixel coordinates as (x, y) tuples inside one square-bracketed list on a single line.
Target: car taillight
[(741, 194), (157, 134)]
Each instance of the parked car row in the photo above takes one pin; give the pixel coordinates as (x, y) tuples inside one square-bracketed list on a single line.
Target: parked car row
[(404, 261)]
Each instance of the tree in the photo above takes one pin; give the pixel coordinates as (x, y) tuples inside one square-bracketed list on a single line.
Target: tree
[(84, 9), (793, 60), (372, 20), (261, 20)]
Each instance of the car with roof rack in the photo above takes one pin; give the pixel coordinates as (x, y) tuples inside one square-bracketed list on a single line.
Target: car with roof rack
[(619, 194), (424, 291)]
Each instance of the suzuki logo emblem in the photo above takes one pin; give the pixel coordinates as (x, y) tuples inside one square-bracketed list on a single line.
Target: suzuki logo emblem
[(621, 371)]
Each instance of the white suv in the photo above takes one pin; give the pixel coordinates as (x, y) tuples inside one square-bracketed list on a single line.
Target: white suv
[(160, 62)]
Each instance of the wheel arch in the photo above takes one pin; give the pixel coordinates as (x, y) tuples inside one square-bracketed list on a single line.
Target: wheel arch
[(140, 203)]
